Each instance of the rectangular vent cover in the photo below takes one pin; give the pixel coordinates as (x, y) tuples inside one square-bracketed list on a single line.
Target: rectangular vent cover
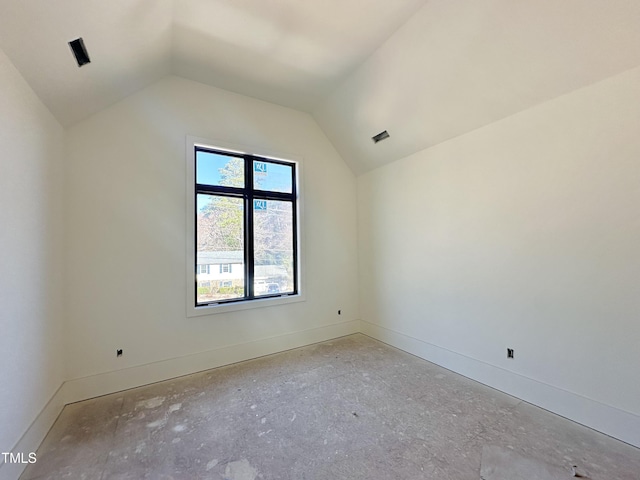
[(379, 137), (79, 51)]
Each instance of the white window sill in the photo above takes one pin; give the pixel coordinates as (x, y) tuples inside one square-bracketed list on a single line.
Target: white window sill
[(243, 305)]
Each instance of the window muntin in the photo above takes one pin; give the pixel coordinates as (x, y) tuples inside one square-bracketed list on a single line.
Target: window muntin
[(246, 223)]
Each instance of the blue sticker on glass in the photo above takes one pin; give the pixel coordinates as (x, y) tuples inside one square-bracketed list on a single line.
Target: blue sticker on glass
[(260, 167), (259, 204)]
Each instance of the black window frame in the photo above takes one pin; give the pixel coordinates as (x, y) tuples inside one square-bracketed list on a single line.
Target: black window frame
[(248, 193)]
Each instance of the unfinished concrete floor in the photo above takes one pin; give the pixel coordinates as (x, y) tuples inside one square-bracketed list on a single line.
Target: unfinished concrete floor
[(351, 408)]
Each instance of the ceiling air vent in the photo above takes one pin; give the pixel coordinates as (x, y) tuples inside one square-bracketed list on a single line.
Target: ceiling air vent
[(79, 51), (379, 137)]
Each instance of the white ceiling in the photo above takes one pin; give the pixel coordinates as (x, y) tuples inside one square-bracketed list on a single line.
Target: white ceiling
[(290, 52), (129, 42), (424, 70), (458, 65)]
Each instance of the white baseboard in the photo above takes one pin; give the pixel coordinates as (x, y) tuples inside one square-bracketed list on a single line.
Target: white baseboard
[(102, 384), (30, 441), (604, 418)]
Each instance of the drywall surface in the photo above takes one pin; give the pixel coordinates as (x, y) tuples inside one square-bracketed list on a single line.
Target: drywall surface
[(458, 65), (125, 199), (31, 326), (523, 234)]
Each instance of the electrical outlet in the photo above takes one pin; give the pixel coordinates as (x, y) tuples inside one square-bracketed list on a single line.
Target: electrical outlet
[(510, 353), (119, 352)]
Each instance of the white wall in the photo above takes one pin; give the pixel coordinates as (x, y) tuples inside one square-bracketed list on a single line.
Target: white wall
[(125, 195), (521, 234), (30, 257)]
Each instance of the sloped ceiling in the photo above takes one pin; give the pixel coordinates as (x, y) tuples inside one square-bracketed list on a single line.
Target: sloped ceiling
[(129, 42), (289, 52), (426, 71), (460, 64)]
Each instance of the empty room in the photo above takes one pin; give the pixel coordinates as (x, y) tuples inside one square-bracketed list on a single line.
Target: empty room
[(252, 240)]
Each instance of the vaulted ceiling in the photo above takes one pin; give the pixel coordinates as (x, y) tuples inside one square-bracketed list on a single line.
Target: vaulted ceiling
[(289, 52), (425, 70)]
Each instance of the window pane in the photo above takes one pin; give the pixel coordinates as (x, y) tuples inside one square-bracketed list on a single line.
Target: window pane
[(273, 244), (220, 246), (272, 176), (215, 169)]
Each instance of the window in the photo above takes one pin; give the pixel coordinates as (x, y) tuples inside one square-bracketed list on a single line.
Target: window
[(203, 269), (245, 221)]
